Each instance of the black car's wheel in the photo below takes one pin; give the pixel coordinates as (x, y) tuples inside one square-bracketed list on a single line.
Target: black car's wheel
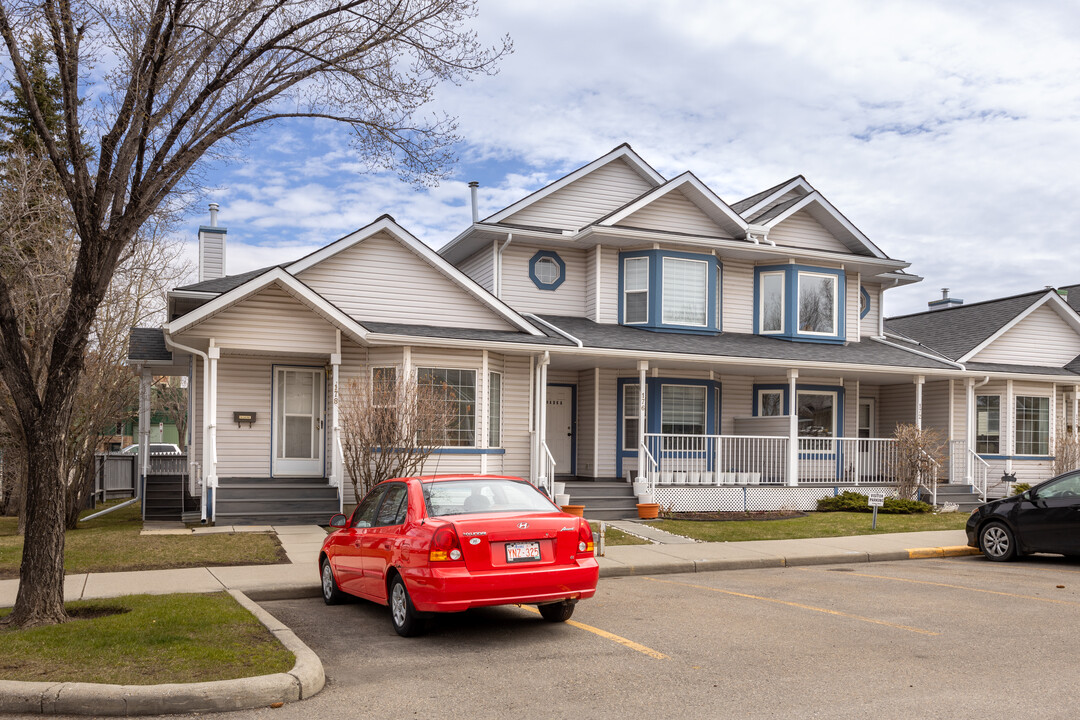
[(557, 612), (997, 542), (407, 622), (331, 593)]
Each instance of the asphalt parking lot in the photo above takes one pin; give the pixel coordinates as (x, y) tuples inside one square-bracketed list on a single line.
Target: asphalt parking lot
[(944, 638)]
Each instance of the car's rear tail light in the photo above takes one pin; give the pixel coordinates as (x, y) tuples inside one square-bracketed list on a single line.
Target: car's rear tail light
[(585, 543), (444, 546)]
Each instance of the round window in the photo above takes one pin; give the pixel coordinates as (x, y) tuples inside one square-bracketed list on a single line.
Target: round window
[(547, 271)]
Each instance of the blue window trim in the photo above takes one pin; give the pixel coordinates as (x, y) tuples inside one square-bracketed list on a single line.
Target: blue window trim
[(655, 321), (866, 296), (1040, 458), (573, 423), (652, 409), (839, 410), (791, 302), (540, 255)]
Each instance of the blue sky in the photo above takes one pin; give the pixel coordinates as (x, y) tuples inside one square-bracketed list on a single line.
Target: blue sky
[(948, 133)]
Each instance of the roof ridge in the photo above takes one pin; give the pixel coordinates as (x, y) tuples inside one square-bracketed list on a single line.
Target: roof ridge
[(765, 193), (968, 305)]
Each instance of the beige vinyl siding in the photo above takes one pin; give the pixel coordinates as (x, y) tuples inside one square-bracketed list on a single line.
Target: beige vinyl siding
[(586, 413), (608, 312), (738, 296), (480, 266), (801, 230), (851, 409), (851, 307), (674, 212), (519, 291), (605, 189), (592, 261), (1042, 338), (736, 400), (959, 410), (381, 280), (778, 426), (896, 405), (870, 322), (516, 439), (935, 411), (211, 255), (608, 420), (245, 384), (269, 320)]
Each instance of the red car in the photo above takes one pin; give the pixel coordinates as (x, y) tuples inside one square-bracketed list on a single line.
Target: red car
[(450, 543)]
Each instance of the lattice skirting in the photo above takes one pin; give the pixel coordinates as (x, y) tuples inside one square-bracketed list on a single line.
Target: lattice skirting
[(753, 499)]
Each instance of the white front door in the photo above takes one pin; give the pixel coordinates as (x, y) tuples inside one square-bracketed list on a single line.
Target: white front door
[(298, 421), (559, 429)]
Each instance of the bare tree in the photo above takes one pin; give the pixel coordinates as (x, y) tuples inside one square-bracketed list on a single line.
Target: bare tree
[(186, 79), (1067, 453), (390, 426), (170, 400), (920, 454)]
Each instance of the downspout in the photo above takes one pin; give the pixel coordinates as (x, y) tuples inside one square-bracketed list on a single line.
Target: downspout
[(205, 406), (499, 265), (541, 417)]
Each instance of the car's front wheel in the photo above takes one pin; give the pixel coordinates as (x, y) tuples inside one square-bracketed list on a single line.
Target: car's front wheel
[(331, 593), (557, 612), (997, 542), (407, 621)]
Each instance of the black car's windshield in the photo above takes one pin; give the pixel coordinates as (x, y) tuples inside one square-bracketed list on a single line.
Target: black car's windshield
[(482, 495)]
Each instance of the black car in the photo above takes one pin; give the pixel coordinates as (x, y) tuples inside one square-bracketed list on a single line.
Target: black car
[(1046, 518)]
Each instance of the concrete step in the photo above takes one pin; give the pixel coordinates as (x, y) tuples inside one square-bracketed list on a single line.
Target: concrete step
[(264, 481), (278, 491), (604, 513), (274, 518), (251, 505)]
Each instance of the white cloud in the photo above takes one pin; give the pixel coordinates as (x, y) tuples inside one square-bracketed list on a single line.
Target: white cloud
[(947, 132)]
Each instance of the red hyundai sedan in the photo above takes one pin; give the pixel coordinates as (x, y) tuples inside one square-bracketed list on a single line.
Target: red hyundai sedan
[(450, 543)]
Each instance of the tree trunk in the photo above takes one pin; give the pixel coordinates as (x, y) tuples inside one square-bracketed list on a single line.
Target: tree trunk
[(41, 575)]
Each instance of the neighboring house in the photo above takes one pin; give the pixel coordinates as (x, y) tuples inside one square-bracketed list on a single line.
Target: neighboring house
[(613, 324)]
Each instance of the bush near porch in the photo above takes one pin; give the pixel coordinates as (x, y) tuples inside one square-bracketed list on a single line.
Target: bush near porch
[(857, 502), (112, 543), (813, 525)]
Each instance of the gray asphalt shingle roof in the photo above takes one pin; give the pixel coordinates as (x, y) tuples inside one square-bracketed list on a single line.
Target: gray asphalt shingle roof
[(148, 344), (749, 202), (548, 338), (867, 352), (227, 283), (955, 331), (772, 212)]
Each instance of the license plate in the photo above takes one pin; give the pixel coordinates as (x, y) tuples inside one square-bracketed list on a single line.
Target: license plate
[(522, 551)]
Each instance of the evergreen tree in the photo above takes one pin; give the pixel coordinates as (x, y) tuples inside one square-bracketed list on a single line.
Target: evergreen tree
[(17, 129)]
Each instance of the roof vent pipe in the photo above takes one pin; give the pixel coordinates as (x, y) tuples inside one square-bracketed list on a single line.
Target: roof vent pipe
[(945, 301), (213, 214), (473, 187)]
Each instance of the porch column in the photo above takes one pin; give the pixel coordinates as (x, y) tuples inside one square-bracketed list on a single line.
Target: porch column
[(144, 432), (1076, 406), (1009, 416), (335, 428), (643, 401), (210, 473), (969, 430), (541, 424), (919, 380), (793, 429)]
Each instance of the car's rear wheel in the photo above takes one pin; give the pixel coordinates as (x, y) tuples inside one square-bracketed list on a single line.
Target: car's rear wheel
[(557, 612), (331, 593), (407, 622), (997, 542)]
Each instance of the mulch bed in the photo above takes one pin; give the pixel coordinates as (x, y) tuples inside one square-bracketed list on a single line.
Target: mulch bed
[(725, 516)]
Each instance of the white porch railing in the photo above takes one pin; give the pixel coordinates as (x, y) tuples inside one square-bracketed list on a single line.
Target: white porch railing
[(930, 483), (716, 459), (651, 466), (547, 470), (980, 472), (846, 460)]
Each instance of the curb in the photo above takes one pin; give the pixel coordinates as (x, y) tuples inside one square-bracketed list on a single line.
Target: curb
[(73, 698)]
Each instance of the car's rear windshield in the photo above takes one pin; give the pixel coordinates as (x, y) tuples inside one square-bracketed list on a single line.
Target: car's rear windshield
[(483, 495)]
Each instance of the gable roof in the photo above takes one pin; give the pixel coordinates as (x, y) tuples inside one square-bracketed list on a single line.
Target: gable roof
[(386, 224), (623, 152), (757, 202), (958, 331), (224, 284), (695, 191), (825, 213)]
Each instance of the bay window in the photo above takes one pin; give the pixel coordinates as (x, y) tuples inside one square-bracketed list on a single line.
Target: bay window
[(817, 304), (636, 290), (799, 303), (668, 290), (772, 302), (686, 292)]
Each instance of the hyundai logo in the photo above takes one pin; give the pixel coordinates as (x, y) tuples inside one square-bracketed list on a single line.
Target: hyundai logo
[(523, 525)]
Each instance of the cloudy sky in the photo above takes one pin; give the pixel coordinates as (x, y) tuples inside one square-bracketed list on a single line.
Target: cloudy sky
[(949, 133)]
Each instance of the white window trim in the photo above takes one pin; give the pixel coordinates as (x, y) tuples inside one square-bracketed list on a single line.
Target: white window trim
[(761, 302), (835, 408), (636, 292), (1049, 425), (501, 403), (762, 393), (663, 310), (625, 417), (835, 307), (558, 270), (476, 402), (1000, 431)]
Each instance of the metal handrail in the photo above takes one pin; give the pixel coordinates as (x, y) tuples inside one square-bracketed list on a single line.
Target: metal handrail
[(934, 472), (653, 468), (549, 477), (976, 472)]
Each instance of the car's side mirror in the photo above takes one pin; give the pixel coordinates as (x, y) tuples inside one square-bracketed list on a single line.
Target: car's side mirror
[(1028, 495), (338, 521)]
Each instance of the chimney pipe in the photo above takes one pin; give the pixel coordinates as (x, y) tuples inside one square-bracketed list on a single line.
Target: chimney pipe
[(213, 214), (945, 301), (944, 293), (473, 187)]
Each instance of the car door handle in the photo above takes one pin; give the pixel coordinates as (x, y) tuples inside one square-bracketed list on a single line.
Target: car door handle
[(356, 544)]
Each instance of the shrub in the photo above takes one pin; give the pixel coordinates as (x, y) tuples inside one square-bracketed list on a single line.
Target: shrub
[(857, 502), (1019, 488)]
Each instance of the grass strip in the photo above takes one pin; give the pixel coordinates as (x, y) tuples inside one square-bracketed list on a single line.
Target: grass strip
[(615, 536), (814, 525), (145, 640), (112, 543)]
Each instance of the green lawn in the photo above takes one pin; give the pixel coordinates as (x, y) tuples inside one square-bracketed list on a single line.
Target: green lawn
[(814, 525), (113, 543), (155, 639), (614, 536)]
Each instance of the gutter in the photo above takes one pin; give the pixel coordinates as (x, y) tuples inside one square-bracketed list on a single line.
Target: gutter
[(559, 330)]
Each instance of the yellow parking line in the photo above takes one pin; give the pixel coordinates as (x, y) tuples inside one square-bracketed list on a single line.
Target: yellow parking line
[(959, 587), (610, 636), (827, 611)]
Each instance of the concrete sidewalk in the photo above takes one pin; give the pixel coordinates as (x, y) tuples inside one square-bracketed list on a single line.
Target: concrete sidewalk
[(300, 576)]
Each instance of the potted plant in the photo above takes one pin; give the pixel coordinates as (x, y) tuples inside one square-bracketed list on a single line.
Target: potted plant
[(648, 511), (578, 510)]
